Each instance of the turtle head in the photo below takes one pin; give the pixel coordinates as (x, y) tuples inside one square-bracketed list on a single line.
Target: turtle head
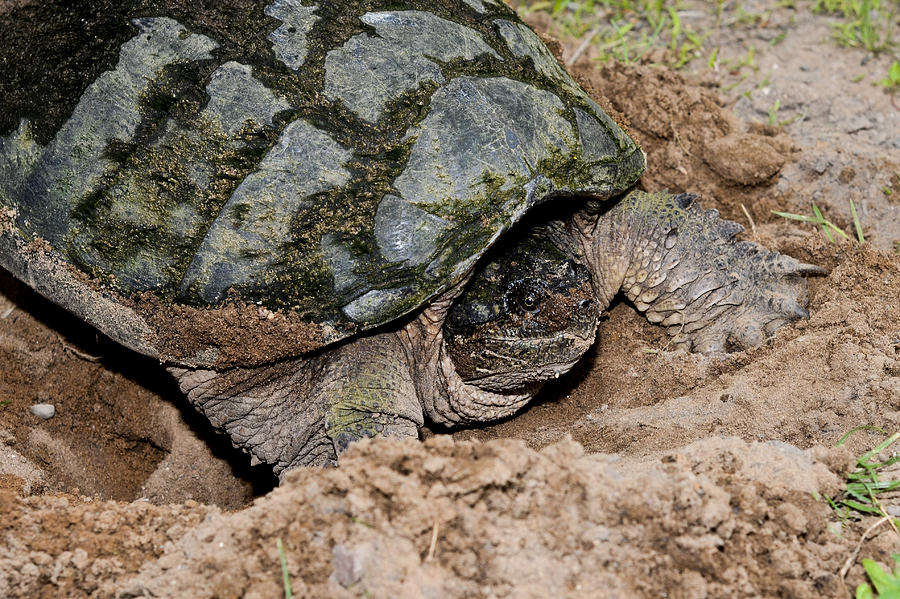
[(527, 315)]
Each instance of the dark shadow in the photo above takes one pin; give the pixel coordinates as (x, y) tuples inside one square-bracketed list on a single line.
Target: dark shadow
[(142, 370)]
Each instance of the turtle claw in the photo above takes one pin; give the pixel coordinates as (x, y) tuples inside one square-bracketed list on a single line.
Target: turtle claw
[(790, 266), (685, 270), (755, 300), (791, 308), (810, 269), (713, 293)]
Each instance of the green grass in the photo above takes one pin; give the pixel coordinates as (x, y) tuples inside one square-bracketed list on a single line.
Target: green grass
[(674, 33), (654, 31), (857, 226), (892, 81), (285, 576), (626, 30), (864, 483), (828, 227), (356, 520), (5, 403), (887, 584), (868, 24), (773, 113)]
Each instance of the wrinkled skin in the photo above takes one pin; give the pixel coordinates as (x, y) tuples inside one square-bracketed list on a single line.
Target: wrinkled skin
[(527, 314), (362, 170)]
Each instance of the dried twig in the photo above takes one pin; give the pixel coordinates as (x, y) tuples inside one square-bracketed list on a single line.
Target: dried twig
[(81, 354), (434, 538), (583, 46), (749, 218), (852, 558)]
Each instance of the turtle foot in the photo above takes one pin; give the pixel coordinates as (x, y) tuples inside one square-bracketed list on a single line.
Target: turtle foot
[(307, 411), (762, 292), (712, 293)]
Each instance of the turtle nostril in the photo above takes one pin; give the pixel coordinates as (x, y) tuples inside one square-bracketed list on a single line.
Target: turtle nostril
[(585, 304)]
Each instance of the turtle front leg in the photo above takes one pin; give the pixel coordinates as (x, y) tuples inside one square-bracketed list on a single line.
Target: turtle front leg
[(682, 267), (304, 412), (368, 389)]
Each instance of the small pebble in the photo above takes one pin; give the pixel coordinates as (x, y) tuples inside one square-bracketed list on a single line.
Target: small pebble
[(44, 410)]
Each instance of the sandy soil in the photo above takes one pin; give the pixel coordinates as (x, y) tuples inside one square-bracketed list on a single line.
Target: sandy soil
[(647, 472)]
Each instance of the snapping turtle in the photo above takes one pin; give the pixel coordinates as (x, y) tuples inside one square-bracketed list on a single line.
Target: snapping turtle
[(310, 211)]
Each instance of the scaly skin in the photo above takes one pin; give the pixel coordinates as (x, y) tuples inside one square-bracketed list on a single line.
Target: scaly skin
[(682, 267), (304, 412), (677, 263)]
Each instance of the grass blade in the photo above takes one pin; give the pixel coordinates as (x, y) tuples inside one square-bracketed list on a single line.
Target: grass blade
[(800, 217), (863, 485), (821, 218), (827, 226), (884, 582), (866, 427), (286, 577), (856, 224)]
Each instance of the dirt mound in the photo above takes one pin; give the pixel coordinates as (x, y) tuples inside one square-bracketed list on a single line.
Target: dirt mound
[(447, 519), (692, 485), (693, 143), (65, 546)]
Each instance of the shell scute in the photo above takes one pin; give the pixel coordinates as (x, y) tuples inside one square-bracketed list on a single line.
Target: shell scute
[(342, 165)]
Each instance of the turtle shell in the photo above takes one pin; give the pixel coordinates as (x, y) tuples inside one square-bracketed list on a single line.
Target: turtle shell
[(329, 166)]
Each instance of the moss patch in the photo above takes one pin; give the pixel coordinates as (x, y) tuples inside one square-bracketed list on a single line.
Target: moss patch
[(140, 229)]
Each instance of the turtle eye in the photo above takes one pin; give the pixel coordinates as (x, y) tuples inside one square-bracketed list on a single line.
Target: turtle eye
[(528, 298)]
